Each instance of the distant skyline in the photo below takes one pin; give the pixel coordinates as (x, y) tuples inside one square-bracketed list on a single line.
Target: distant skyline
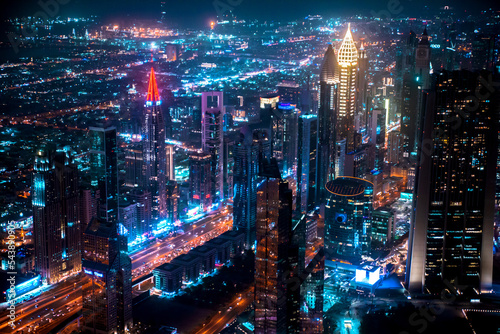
[(197, 13)]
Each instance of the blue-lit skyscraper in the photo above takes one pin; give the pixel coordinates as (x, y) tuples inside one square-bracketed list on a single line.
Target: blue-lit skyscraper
[(276, 300), (155, 154), (104, 170), (200, 186), (412, 78), (283, 132), (56, 224), (306, 167), (212, 138), (107, 299), (326, 120), (451, 234), (246, 167), (348, 217)]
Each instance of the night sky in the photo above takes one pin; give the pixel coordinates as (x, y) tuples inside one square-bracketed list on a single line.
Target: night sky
[(198, 12)]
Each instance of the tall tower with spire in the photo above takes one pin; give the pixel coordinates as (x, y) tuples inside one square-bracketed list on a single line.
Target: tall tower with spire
[(423, 61), (362, 83), (154, 150), (348, 62), (326, 120), (415, 79)]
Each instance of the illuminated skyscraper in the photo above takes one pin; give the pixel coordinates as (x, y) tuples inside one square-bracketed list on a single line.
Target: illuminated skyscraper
[(172, 202), (423, 62), (133, 167), (142, 200), (170, 173), (200, 185), (280, 121), (362, 83), (451, 234), (228, 167), (107, 300), (306, 167), (246, 167), (284, 120), (348, 217), (104, 170), (89, 204), (56, 224), (212, 138), (289, 92), (326, 121), (415, 63), (377, 132), (154, 150), (348, 66), (276, 309)]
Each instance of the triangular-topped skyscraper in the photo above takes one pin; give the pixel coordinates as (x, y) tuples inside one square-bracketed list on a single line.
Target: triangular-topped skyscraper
[(348, 61), (153, 95), (154, 152)]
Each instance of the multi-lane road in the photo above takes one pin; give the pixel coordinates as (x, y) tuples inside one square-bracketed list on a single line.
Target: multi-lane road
[(168, 248), (43, 313), (227, 315)]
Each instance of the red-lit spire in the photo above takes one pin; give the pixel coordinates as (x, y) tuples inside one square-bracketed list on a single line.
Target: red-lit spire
[(153, 95)]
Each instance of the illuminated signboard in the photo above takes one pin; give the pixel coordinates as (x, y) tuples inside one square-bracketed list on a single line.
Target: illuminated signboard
[(406, 196), (93, 273), (28, 285)]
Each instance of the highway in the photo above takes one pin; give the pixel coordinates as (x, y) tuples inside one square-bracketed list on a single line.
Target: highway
[(144, 261), (228, 314), (45, 312)]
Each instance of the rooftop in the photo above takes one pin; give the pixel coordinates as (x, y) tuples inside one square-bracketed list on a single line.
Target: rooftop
[(348, 186)]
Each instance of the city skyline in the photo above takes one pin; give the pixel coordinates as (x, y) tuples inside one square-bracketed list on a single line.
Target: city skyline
[(329, 170)]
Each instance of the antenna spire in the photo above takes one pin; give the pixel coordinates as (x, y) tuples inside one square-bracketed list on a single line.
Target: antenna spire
[(153, 95)]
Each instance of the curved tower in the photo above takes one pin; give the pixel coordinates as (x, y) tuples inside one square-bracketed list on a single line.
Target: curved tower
[(348, 217), (326, 120)]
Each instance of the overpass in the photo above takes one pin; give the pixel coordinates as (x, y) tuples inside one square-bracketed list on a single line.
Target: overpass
[(137, 283)]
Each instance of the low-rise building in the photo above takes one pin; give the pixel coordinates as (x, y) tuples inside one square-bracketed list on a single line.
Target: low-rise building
[(168, 277), (207, 256), (191, 264)]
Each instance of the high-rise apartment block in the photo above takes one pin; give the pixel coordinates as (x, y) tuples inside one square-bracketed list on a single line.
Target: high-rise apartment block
[(56, 210), (451, 234), (212, 138), (107, 298)]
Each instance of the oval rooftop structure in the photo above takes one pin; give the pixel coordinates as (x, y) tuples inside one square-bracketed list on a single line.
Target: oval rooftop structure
[(348, 186)]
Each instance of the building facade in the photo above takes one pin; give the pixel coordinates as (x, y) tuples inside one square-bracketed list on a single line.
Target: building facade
[(306, 167), (451, 234), (154, 151), (327, 110), (276, 310), (104, 170), (212, 138), (107, 299), (348, 217), (56, 211), (200, 181)]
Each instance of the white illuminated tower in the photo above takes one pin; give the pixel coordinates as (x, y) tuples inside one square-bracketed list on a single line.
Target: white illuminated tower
[(154, 150), (347, 64)]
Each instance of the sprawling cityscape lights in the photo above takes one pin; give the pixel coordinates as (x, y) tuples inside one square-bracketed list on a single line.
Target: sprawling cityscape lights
[(245, 166)]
